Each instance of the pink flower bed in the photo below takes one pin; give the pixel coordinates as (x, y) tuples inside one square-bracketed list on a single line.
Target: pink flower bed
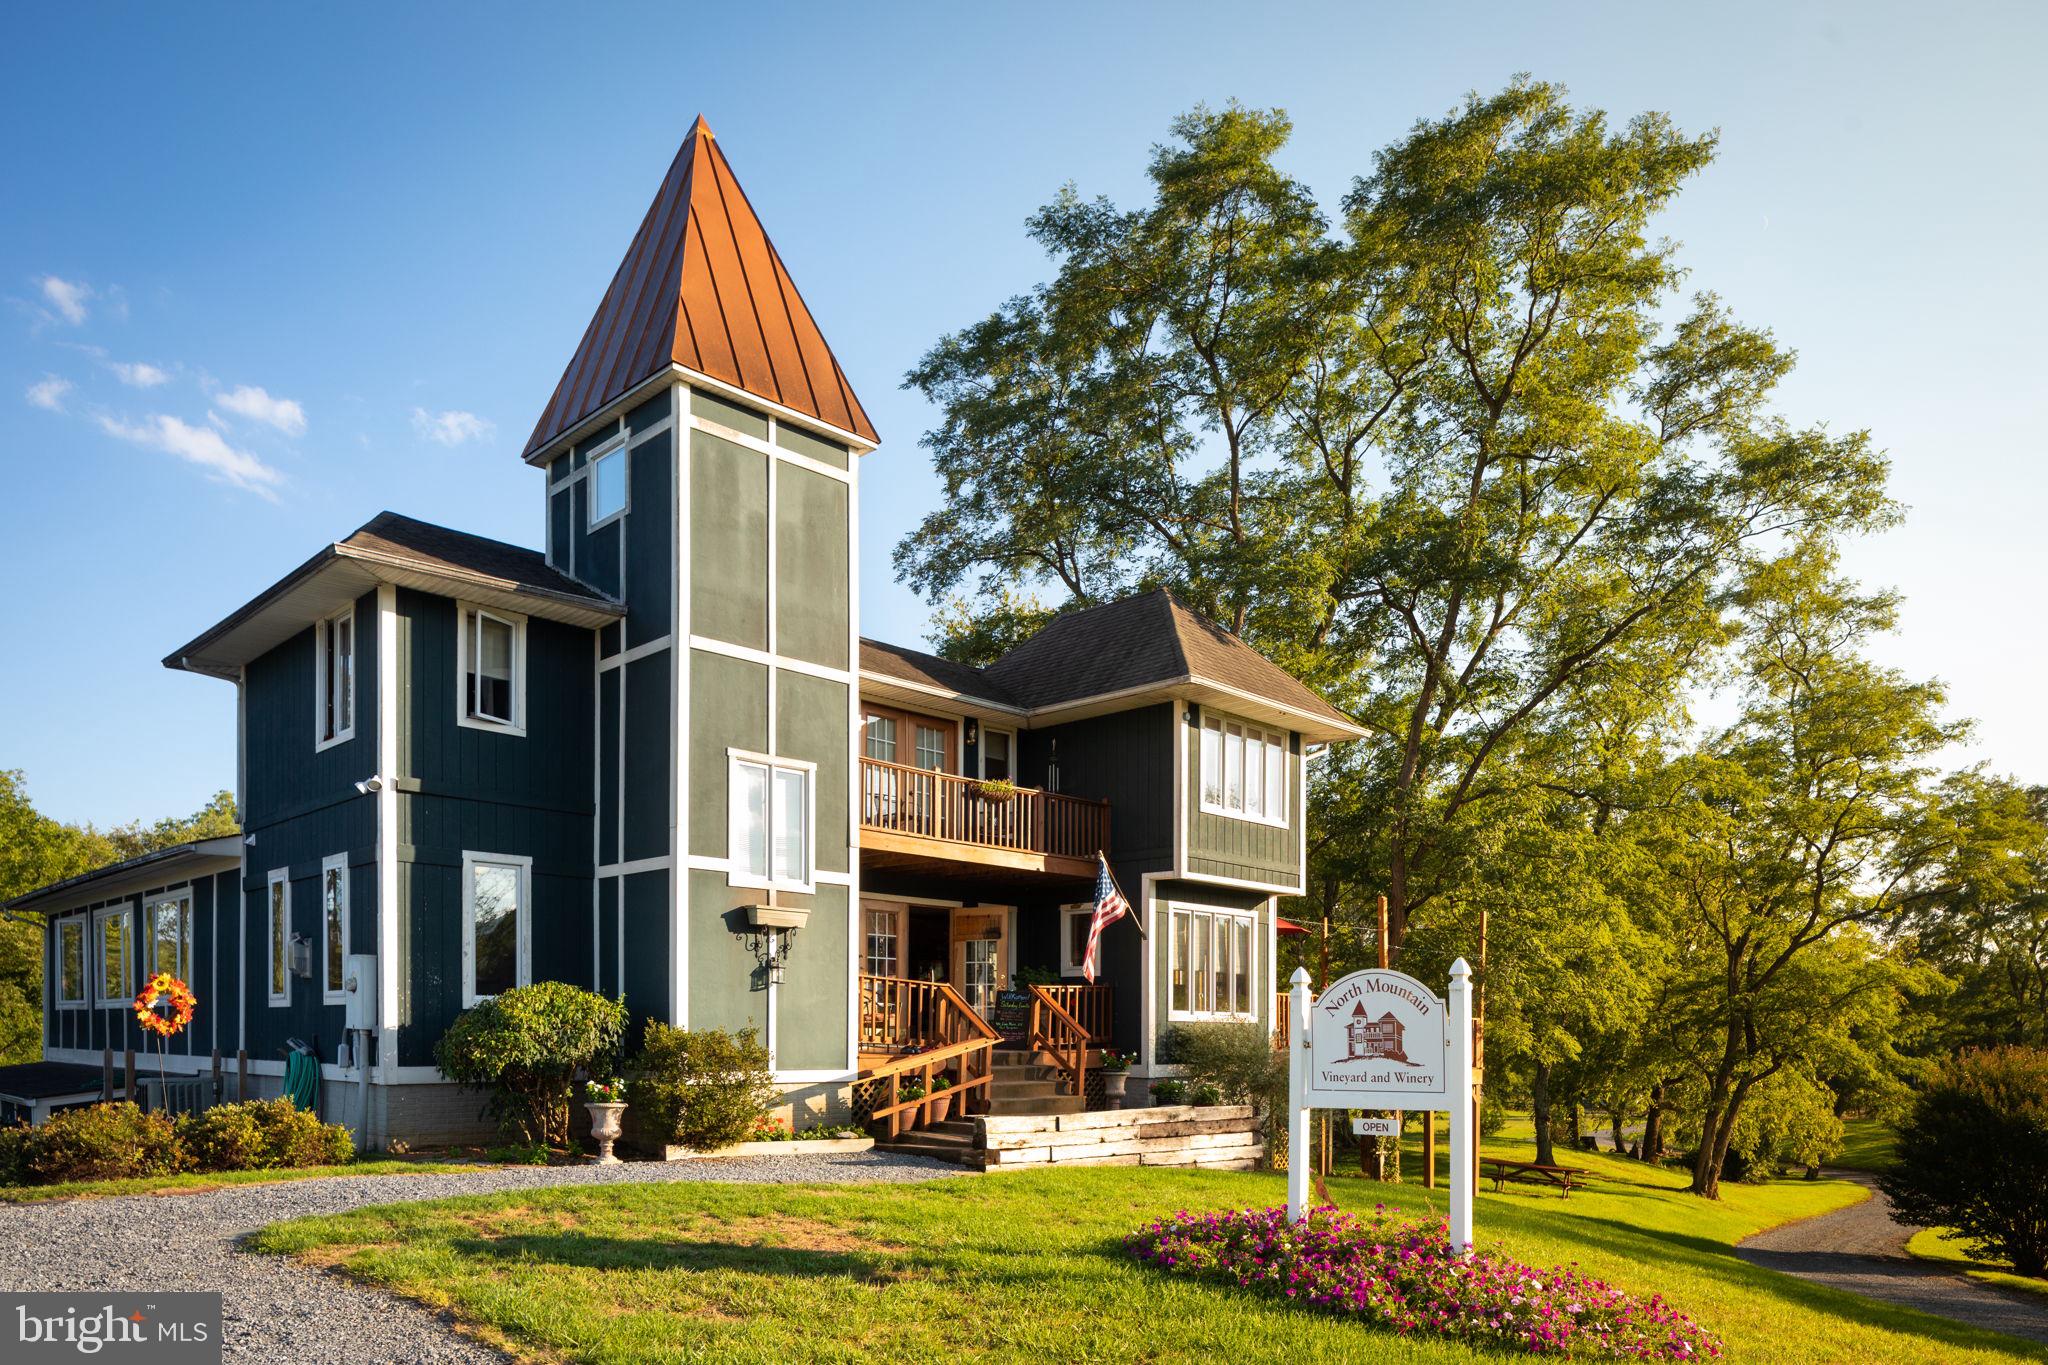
[(1399, 1272)]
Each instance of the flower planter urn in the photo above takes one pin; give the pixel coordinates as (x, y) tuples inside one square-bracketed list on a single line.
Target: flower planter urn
[(941, 1105), (1113, 1083), (604, 1126)]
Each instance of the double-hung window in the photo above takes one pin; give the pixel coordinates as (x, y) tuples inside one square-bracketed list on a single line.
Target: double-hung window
[(1212, 963), (1074, 923), (279, 938), (884, 943), (334, 678), (496, 924), (608, 486), (168, 920), (71, 962), (491, 662), (113, 983), (771, 816), (334, 929), (1244, 770)]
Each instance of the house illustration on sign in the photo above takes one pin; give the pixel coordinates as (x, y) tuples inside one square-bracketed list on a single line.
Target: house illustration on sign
[(1374, 1039)]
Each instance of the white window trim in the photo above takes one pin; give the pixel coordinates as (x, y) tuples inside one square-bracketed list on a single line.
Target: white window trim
[(981, 754), (522, 967), (124, 911), (1267, 735), (1252, 976), (517, 726), (616, 446), (183, 895), (277, 876), (83, 924), (321, 681), (737, 873), (338, 861), (1070, 965)]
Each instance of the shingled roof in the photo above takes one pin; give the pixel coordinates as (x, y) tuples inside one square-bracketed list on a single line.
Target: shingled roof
[(919, 669), (703, 287)]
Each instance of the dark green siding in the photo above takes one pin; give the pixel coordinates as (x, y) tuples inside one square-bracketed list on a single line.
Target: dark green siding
[(649, 705), (210, 974), (650, 569), (1243, 850), (285, 777), (1125, 757), (647, 946)]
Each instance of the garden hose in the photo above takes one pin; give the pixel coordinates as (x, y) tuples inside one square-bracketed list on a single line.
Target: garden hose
[(302, 1081)]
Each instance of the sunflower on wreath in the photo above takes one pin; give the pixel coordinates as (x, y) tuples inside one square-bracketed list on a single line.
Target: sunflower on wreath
[(165, 1005)]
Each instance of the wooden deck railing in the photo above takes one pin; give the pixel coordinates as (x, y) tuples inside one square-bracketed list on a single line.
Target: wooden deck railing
[(1060, 1036), (1283, 1008), (939, 1033), (1094, 1007), (936, 805)]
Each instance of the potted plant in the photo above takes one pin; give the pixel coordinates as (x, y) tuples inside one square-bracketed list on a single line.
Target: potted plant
[(942, 1103), (606, 1101), (995, 790), (1116, 1073), (1170, 1091)]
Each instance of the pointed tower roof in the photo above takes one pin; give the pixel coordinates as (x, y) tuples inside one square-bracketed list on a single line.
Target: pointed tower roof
[(704, 288)]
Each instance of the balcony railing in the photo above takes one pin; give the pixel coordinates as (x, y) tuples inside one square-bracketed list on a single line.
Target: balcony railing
[(962, 810)]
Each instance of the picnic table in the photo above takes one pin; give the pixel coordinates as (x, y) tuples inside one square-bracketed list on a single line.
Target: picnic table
[(1503, 1170)]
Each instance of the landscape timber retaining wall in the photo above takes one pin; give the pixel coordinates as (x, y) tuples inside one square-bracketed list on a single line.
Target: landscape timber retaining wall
[(1217, 1137)]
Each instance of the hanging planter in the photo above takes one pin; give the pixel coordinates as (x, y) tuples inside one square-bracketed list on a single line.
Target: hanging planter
[(996, 791)]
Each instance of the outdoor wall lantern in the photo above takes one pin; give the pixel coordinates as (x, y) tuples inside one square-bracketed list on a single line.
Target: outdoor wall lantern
[(973, 731), (770, 931)]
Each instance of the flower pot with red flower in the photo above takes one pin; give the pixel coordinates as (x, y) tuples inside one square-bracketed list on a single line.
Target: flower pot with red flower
[(1116, 1074)]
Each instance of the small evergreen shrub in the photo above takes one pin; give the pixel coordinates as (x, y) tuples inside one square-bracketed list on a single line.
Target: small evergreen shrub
[(1973, 1155), (262, 1135), (15, 1140), (1228, 1063), (525, 1047), (103, 1142), (700, 1088)]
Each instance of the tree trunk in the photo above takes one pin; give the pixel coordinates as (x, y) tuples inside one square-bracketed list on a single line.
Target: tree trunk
[(1578, 1127), (1706, 1166), (1653, 1126), (1620, 1142), (1539, 1091)]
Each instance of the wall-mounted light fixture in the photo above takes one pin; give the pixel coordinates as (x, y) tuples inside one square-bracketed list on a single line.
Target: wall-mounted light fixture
[(371, 785), (973, 730), (771, 929)]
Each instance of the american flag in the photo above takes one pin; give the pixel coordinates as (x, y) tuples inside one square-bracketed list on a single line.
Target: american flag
[(1110, 906)]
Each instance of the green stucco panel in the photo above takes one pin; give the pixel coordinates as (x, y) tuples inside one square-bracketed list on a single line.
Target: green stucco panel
[(728, 541), (811, 1002), (728, 710), (815, 447), (711, 408), (812, 720), (1243, 850), (812, 582), (725, 986)]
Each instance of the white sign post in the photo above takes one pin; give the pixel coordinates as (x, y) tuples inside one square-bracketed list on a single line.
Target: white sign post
[(1383, 1040)]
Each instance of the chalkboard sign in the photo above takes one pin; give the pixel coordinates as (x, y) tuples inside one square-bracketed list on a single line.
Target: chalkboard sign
[(1013, 1013)]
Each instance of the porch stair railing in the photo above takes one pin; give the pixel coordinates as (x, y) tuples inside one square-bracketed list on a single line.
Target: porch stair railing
[(1058, 1035), (1093, 1007), (937, 1032)]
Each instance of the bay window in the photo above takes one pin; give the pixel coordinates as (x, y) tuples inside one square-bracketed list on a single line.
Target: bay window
[(1212, 963), (1244, 770)]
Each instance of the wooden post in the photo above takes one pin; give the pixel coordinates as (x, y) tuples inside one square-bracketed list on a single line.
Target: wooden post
[(107, 1074), (1429, 1150), (241, 1074), (128, 1061)]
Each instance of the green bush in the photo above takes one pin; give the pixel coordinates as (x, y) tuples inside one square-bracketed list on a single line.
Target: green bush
[(103, 1142), (15, 1140), (701, 1089), (1973, 1155), (525, 1048), (262, 1135), (1230, 1063)]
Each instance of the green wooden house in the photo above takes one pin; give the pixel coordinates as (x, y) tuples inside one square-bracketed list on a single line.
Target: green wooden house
[(659, 760)]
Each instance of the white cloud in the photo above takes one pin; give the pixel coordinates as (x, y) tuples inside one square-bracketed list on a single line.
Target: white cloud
[(257, 405), (67, 297), (451, 428), (49, 393), (138, 375), (200, 446)]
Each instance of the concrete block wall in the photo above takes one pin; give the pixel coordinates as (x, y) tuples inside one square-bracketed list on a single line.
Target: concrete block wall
[(1216, 1137)]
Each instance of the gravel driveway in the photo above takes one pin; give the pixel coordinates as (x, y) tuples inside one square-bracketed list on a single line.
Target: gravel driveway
[(279, 1310), (1863, 1249)]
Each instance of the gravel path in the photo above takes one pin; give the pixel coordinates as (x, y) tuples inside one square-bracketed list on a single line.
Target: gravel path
[(1863, 1249), (279, 1310)]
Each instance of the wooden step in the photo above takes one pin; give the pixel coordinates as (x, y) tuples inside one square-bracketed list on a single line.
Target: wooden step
[(1052, 1104), (1027, 1090)]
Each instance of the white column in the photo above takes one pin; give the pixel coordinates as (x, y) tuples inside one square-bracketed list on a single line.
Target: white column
[(1464, 1129), (1298, 1156)]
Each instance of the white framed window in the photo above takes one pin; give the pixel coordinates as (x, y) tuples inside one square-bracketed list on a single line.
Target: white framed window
[(334, 929), (884, 935), (278, 939), (610, 490), (70, 982), (167, 919), (1244, 770), (334, 679), (497, 932), (490, 670), (114, 957), (998, 755), (1074, 922), (1213, 963), (771, 816)]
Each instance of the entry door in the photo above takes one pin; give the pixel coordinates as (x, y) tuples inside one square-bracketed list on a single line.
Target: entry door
[(978, 958)]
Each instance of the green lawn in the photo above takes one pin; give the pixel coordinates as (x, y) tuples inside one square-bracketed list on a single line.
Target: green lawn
[(192, 1183), (1933, 1244), (1867, 1145), (1020, 1266)]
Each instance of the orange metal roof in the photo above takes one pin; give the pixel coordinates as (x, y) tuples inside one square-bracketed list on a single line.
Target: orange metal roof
[(703, 287)]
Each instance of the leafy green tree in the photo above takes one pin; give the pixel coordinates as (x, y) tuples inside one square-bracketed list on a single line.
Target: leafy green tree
[(1974, 1155)]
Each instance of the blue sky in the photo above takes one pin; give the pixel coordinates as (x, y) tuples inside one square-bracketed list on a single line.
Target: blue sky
[(313, 263)]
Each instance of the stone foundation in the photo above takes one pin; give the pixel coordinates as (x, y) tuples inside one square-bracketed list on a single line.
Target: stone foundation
[(1217, 1137)]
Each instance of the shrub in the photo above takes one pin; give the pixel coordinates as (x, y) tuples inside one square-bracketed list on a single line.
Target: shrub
[(15, 1140), (262, 1135), (1169, 1091), (103, 1142), (1400, 1274), (700, 1088), (1973, 1155), (525, 1047), (1230, 1063)]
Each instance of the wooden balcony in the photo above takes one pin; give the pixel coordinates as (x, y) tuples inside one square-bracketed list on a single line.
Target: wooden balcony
[(915, 818)]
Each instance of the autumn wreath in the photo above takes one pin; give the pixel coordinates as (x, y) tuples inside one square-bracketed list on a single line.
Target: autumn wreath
[(168, 989)]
